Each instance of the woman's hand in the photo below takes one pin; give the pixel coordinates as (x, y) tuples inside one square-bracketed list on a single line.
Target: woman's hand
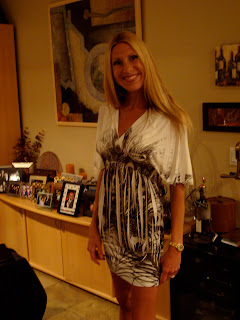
[(95, 245), (170, 264)]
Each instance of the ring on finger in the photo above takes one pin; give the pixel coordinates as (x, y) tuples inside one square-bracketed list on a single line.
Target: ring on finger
[(172, 277)]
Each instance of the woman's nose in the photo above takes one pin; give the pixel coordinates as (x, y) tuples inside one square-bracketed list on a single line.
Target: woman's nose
[(127, 67)]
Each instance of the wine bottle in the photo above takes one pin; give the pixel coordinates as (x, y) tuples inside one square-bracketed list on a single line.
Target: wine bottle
[(221, 68), (237, 60), (232, 71)]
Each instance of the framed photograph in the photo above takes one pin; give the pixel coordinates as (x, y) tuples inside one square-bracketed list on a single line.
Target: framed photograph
[(56, 190), (221, 117), (15, 174), (26, 191), (37, 179), (79, 32), (44, 200), (70, 198), (14, 188), (3, 186), (51, 174)]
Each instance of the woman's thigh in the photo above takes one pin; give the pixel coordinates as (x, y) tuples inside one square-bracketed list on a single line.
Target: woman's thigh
[(144, 303), (123, 291)]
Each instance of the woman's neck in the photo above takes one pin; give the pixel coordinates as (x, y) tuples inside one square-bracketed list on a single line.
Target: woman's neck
[(134, 100)]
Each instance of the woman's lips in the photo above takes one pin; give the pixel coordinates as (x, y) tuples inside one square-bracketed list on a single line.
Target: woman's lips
[(131, 77)]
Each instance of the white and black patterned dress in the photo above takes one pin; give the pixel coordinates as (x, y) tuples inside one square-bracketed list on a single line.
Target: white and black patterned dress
[(130, 211)]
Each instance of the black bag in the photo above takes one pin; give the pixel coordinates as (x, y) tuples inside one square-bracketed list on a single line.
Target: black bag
[(22, 296)]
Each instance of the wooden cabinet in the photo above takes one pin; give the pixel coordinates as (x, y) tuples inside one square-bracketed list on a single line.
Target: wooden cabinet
[(13, 228), (78, 265), (44, 243), (9, 104)]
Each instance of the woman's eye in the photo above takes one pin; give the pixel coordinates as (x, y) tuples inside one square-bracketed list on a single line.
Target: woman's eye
[(116, 62), (133, 57)]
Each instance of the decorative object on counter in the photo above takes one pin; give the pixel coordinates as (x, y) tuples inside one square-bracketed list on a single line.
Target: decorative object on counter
[(204, 232), (70, 198), (232, 238), (68, 177), (70, 168), (27, 150), (234, 175), (56, 190), (49, 161), (7, 175), (27, 167), (37, 187), (14, 188), (44, 200), (26, 191), (82, 173), (78, 62), (227, 65), (221, 116), (223, 214)]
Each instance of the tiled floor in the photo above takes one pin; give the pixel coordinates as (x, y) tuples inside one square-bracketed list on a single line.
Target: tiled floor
[(67, 302)]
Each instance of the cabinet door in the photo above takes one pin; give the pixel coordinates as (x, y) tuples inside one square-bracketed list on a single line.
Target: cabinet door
[(13, 228), (78, 267), (9, 106), (44, 242)]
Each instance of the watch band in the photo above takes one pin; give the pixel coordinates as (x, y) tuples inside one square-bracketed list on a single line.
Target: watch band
[(178, 246)]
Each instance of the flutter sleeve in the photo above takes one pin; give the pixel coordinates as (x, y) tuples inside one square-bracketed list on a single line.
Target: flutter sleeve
[(172, 157)]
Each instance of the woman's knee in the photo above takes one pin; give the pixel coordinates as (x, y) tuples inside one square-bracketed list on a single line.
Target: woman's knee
[(125, 300)]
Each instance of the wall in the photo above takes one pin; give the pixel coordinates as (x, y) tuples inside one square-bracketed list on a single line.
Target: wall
[(182, 36)]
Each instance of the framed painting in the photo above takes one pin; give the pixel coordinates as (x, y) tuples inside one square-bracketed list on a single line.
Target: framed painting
[(79, 32), (221, 117), (227, 65)]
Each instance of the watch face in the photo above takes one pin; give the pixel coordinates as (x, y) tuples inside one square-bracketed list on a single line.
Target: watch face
[(180, 247)]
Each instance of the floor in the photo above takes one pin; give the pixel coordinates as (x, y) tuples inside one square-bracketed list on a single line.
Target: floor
[(67, 302)]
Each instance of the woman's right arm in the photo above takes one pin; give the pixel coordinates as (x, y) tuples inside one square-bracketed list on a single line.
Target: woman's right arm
[(94, 241)]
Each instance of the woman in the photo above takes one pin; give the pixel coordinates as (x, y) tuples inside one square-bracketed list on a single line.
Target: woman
[(141, 138)]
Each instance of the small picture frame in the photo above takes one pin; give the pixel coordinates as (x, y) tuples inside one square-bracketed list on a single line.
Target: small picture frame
[(56, 190), (3, 186), (70, 198), (35, 178), (14, 188), (15, 174), (44, 200), (26, 191)]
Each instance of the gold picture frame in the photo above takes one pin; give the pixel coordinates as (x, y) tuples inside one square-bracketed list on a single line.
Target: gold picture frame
[(79, 32)]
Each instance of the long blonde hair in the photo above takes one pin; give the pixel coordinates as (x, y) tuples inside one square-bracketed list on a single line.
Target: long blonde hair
[(157, 96)]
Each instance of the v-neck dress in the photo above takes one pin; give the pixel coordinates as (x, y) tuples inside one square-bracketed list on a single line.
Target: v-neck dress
[(130, 210)]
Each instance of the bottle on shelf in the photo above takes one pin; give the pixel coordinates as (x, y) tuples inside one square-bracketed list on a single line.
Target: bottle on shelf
[(221, 68), (232, 71)]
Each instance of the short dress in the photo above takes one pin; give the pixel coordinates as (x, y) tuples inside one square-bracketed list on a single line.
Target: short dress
[(130, 210)]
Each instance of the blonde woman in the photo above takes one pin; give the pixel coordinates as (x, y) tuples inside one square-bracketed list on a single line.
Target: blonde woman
[(141, 138)]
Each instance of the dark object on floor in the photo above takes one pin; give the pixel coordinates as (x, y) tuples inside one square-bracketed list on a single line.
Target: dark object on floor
[(21, 293)]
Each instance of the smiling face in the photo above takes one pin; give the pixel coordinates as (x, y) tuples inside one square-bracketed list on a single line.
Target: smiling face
[(128, 70)]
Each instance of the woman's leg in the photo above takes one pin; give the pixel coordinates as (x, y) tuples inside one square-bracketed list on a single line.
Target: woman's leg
[(123, 294), (144, 303)]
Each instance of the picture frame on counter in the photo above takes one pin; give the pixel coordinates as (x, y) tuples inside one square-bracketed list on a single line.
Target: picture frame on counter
[(56, 190), (26, 191), (44, 200), (37, 179), (14, 188), (70, 198), (221, 116)]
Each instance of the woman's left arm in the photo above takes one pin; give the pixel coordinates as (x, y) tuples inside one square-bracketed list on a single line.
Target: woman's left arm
[(171, 260)]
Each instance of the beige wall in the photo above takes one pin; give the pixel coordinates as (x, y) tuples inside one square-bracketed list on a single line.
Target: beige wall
[(182, 36)]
